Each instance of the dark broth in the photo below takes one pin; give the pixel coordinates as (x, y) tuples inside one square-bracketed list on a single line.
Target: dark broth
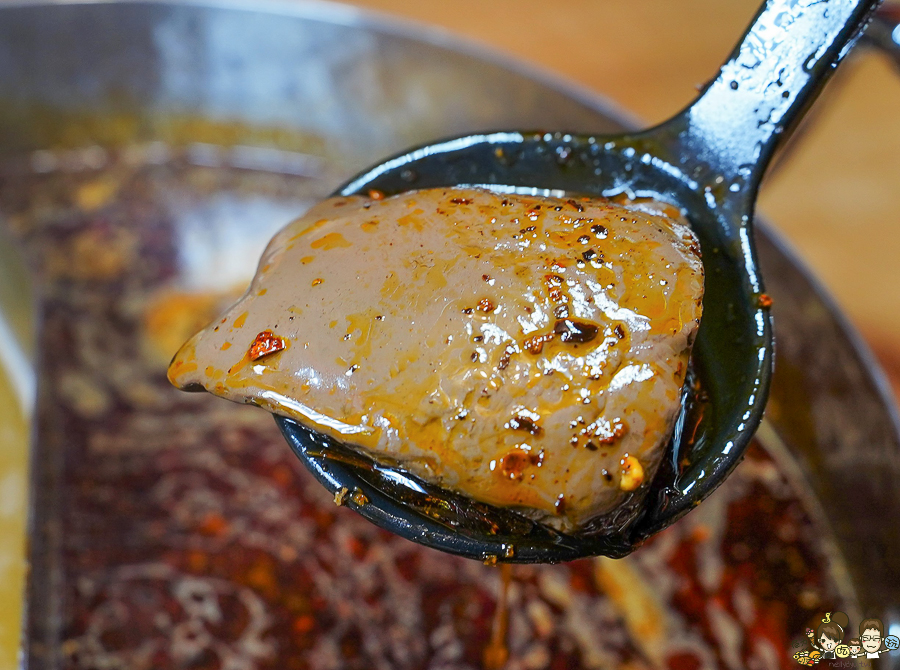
[(177, 530)]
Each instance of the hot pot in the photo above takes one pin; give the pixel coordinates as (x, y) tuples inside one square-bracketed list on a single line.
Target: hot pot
[(147, 152)]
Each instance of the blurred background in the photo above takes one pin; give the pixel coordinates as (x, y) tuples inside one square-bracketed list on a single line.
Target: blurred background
[(835, 197)]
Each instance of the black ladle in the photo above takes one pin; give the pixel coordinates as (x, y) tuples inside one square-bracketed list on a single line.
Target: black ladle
[(709, 160)]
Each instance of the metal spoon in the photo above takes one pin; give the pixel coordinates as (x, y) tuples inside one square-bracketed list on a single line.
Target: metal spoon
[(709, 160)]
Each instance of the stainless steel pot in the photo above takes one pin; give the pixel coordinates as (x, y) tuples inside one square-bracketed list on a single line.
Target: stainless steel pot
[(317, 91)]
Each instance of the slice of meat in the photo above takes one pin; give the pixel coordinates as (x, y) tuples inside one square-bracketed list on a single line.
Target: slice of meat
[(527, 352)]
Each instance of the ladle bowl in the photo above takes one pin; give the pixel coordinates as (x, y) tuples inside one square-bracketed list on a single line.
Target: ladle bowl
[(709, 161)]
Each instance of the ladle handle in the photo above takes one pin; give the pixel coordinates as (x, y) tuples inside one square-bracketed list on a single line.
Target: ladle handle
[(731, 131)]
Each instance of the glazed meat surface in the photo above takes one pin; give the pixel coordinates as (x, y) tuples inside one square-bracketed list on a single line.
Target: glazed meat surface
[(526, 352)]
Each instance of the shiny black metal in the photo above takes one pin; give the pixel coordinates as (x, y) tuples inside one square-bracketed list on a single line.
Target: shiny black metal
[(709, 160)]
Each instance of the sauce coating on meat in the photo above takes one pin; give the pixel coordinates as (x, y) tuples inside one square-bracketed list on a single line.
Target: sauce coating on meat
[(527, 352)]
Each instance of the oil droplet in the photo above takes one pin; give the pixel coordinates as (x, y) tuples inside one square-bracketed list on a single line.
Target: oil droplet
[(496, 654), (330, 241)]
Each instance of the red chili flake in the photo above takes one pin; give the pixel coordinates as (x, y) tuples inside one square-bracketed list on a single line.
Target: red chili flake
[(485, 305), (512, 465), (764, 300), (304, 624), (213, 524), (554, 288), (553, 281), (375, 194), (505, 358), (526, 424), (604, 431), (355, 547), (701, 533), (197, 561), (560, 505), (266, 343), (684, 661), (579, 582), (577, 332), (535, 343)]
